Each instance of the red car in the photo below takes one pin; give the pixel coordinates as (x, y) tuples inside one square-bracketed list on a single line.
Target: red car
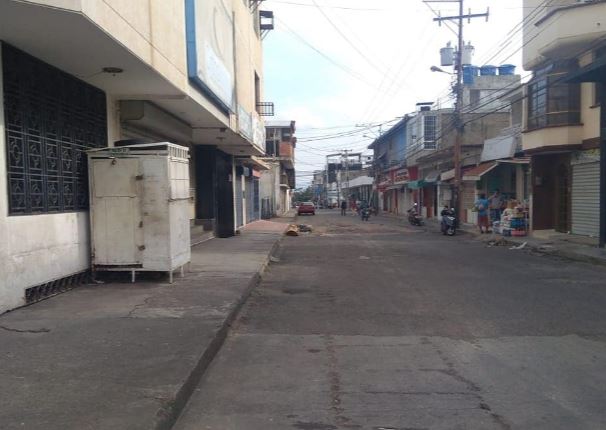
[(306, 208)]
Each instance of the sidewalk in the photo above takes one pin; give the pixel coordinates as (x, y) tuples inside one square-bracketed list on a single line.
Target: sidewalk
[(127, 356), (569, 246)]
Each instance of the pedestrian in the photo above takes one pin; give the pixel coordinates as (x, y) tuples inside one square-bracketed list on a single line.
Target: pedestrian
[(482, 208), (496, 205), (343, 208)]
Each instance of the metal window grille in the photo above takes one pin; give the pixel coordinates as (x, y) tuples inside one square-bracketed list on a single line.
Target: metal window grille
[(51, 119), (429, 131)]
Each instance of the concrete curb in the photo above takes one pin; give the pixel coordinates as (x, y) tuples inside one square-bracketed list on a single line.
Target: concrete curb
[(170, 413)]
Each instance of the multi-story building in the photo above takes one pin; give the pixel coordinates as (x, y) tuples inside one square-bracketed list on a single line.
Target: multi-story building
[(391, 174), (562, 118), (278, 182), (80, 74), (432, 134)]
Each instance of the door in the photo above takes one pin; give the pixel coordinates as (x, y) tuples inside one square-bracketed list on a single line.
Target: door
[(116, 211), (562, 220)]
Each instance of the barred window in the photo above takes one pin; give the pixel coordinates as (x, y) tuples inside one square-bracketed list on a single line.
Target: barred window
[(51, 119), (430, 128)]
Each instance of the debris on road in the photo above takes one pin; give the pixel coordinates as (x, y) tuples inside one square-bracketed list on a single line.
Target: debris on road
[(305, 228), (274, 259), (293, 230), (498, 242), (522, 246), (363, 257)]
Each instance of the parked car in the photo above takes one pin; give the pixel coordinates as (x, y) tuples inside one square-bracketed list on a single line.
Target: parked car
[(306, 208)]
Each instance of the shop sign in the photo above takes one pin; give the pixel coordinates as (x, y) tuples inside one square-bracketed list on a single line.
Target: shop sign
[(245, 123), (582, 157), (258, 129), (210, 49), (401, 175)]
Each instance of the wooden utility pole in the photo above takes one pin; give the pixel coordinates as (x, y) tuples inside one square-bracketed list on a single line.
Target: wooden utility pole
[(459, 124)]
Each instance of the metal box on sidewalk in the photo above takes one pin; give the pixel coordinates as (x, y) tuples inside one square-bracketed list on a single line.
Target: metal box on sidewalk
[(139, 208)]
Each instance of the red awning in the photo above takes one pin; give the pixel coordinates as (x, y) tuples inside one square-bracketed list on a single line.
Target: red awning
[(475, 173)]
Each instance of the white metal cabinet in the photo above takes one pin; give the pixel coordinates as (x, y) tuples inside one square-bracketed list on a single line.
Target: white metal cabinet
[(139, 208)]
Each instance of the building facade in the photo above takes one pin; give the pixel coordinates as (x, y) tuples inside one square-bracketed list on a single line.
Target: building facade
[(120, 71), (561, 119), (391, 174), (278, 182)]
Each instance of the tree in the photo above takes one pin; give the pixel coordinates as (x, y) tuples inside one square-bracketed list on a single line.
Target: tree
[(303, 195)]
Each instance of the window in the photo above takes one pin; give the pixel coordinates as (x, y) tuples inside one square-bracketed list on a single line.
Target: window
[(51, 119), (597, 87), (551, 102), (429, 131)]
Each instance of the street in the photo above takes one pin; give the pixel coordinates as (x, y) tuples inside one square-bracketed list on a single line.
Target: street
[(382, 325)]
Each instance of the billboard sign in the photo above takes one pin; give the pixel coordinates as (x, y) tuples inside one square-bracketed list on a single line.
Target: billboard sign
[(210, 49)]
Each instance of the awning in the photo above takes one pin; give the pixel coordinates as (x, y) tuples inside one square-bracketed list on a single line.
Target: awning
[(447, 175), (415, 185), (519, 160), (432, 176), (476, 173), (253, 161)]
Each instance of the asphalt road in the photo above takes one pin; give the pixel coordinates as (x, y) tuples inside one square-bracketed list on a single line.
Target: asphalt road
[(380, 325)]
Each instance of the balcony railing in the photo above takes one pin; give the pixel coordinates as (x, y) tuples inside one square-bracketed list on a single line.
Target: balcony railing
[(265, 108)]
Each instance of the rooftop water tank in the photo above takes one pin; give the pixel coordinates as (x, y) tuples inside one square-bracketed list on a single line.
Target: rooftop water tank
[(447, 55), (507, 69), (467, 54), (488, 70), (468, 74)]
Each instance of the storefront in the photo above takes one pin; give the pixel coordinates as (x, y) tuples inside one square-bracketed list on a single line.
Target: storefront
[(509, 176)]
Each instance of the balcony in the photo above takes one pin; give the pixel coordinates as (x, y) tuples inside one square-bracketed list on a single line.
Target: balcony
[(265, 108), (564, 31)]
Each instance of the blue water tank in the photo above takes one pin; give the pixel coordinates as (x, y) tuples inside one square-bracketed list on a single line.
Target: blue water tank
[(507, 69), (468, 75), (488, 70)]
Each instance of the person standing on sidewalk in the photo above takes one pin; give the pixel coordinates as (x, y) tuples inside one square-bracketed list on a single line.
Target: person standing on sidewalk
[(482, 208), (496, 205), (343, 208)]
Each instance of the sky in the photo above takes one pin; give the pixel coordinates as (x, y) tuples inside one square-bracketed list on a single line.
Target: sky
[(347, 70)]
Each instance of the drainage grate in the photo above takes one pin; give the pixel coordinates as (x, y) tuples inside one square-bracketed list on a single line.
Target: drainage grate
[(58, 286)]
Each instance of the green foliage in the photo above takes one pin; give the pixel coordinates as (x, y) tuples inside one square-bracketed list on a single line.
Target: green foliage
[(303, 195)]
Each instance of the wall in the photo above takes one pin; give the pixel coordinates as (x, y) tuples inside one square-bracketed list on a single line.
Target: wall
[(36, 249), (249, 55), (154, 30)]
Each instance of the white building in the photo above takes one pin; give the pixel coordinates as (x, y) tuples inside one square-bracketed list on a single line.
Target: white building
[(80, 74)]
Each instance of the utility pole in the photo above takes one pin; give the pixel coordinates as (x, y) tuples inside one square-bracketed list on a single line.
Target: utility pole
[(346, 152), (458, 91)]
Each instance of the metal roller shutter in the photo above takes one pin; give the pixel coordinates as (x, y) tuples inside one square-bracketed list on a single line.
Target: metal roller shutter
[(239, 200), (586, 199)]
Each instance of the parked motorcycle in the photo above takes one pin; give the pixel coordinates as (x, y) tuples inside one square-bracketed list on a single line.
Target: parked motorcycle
[(365, 214), (413, 216), (448, 224)]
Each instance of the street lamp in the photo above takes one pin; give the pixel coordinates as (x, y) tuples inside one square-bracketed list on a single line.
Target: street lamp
[(437, 69)]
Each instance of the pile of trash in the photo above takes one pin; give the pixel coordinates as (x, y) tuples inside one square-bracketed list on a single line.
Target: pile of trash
[(295, 229)]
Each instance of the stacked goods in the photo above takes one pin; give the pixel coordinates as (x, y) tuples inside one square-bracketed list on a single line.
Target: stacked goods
[(513, 221)]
